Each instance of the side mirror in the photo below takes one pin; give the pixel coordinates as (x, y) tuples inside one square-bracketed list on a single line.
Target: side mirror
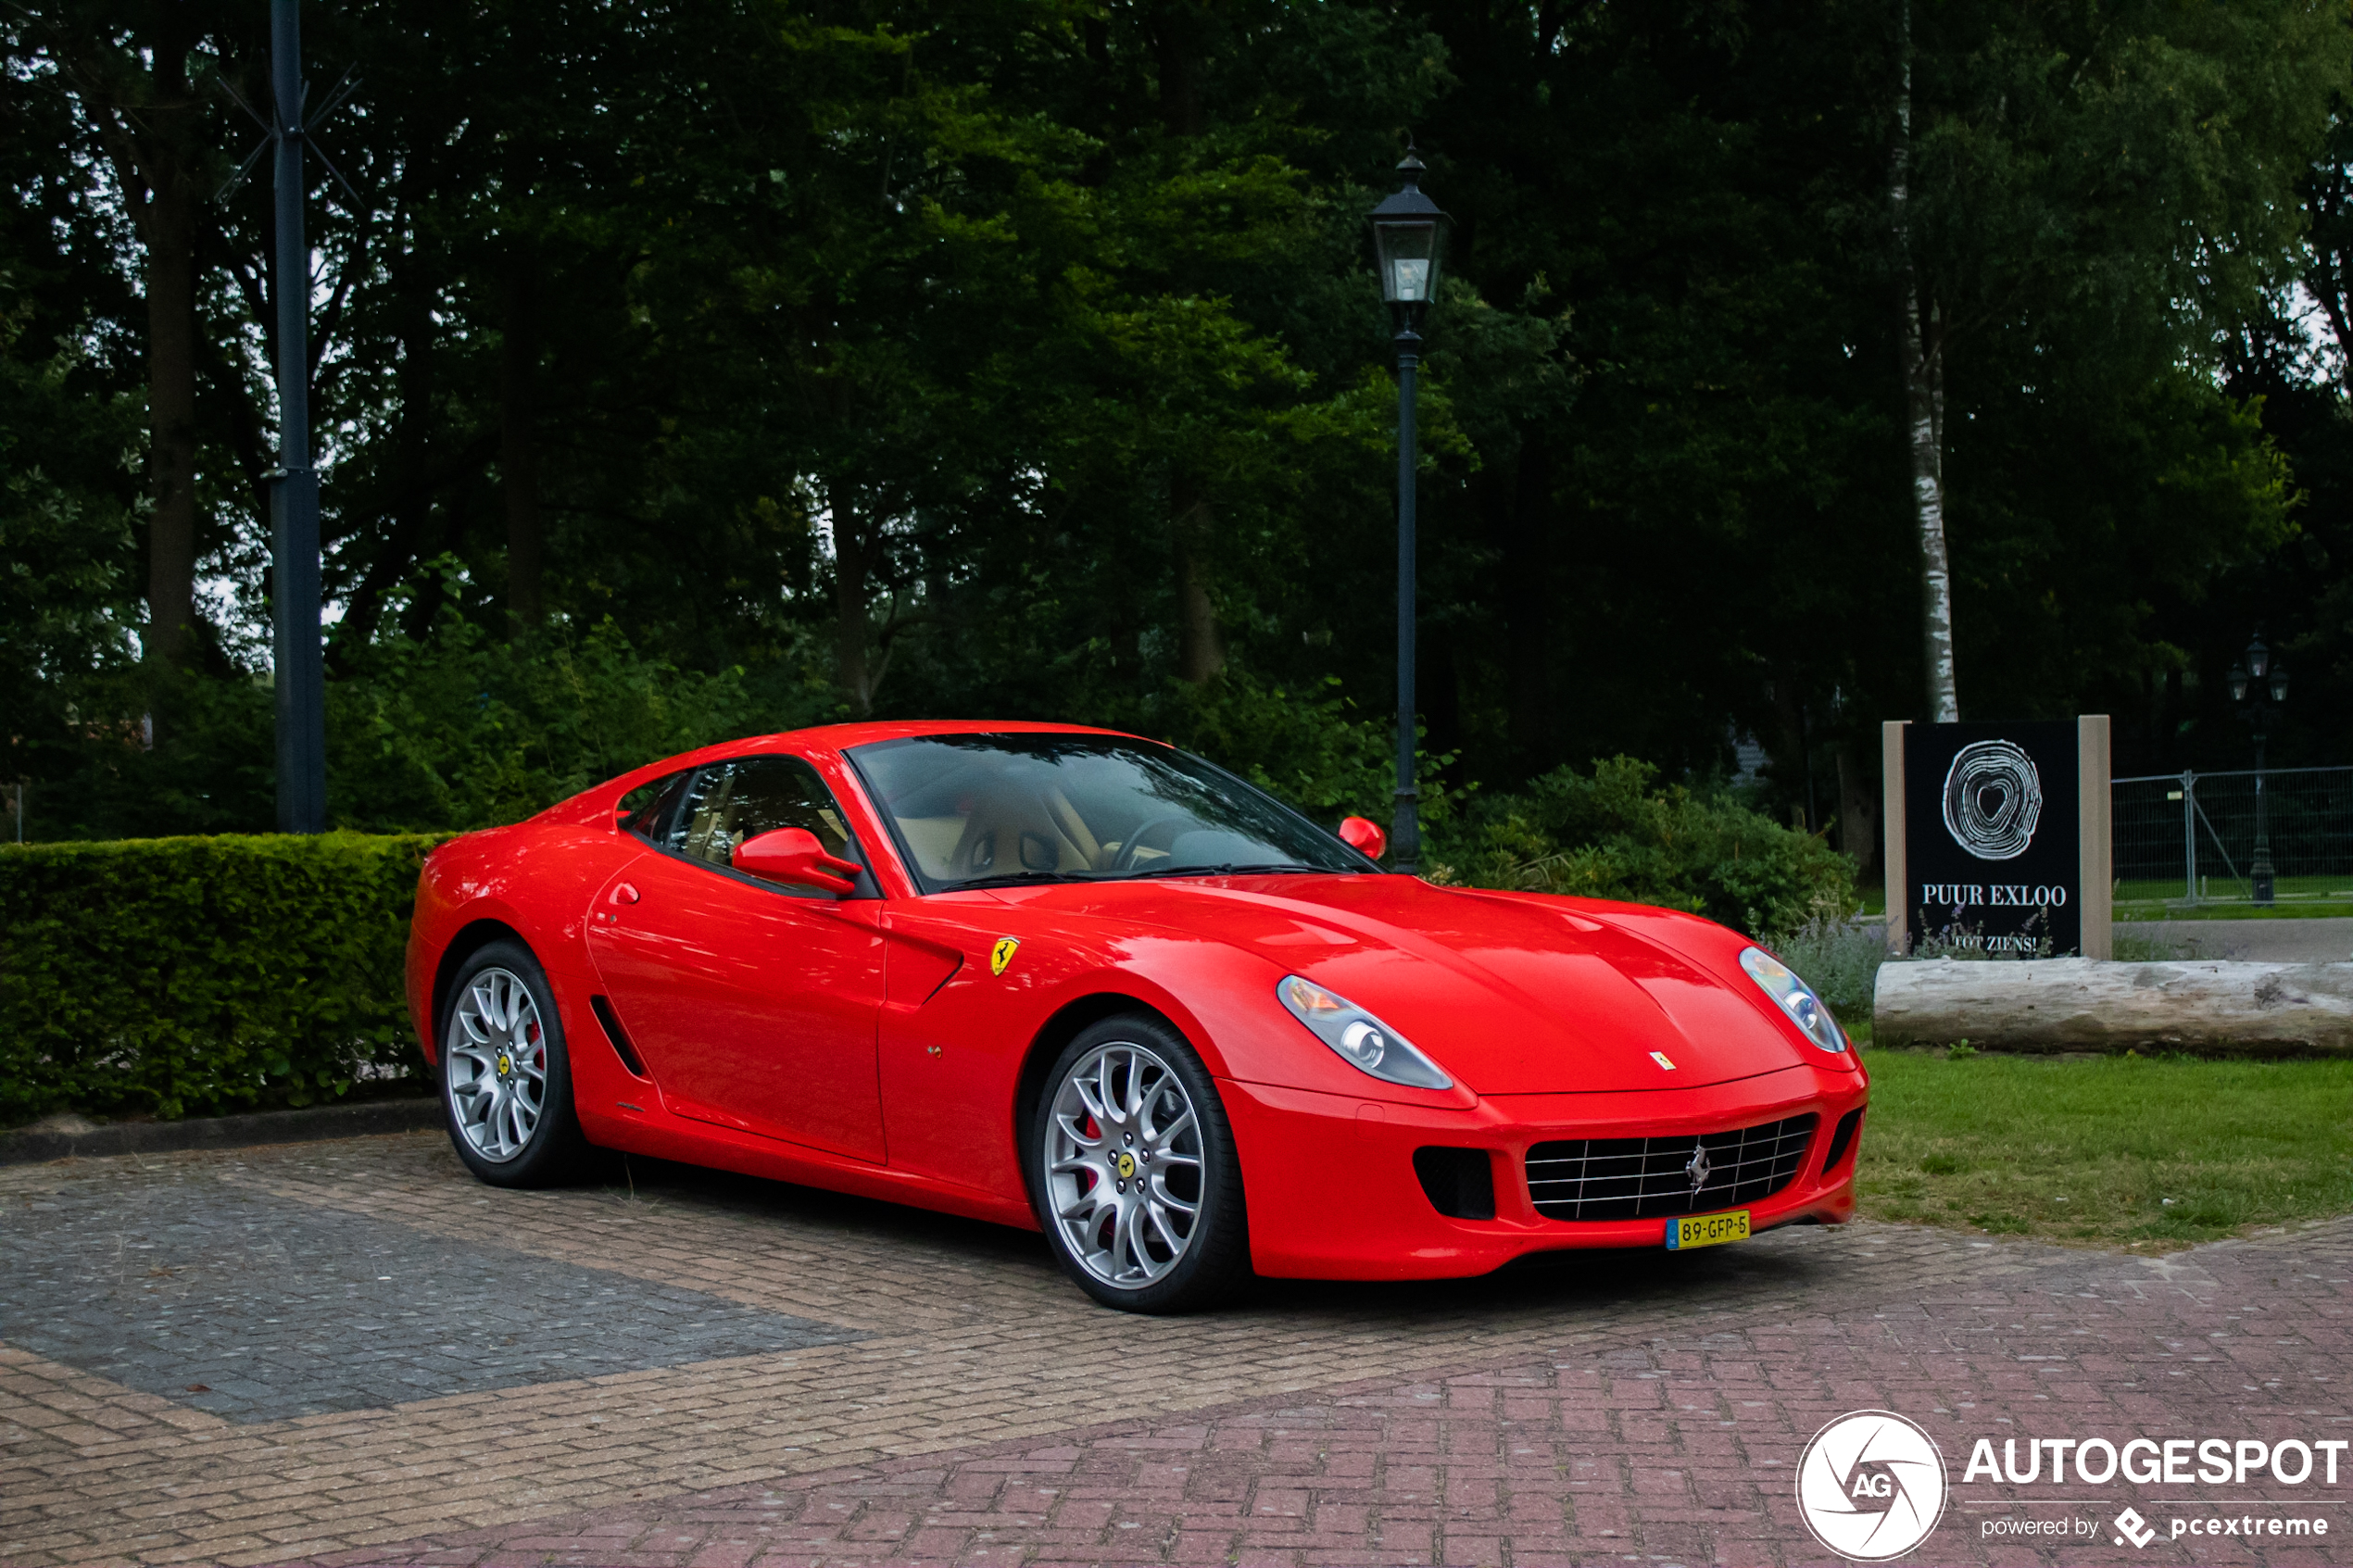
[(793, 855), (1363, 836)]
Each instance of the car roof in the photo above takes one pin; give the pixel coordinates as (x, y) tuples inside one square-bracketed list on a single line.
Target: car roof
[(840, 737)]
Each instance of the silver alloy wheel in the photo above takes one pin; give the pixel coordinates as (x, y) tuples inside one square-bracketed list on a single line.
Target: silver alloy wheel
[(498, 1065), (1124, 1164)]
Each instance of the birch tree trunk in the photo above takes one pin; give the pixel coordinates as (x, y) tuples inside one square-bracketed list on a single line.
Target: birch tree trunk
[(1921, 335), (852, 626)]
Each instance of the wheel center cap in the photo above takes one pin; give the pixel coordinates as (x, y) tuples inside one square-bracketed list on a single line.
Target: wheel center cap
[(506, 1064), (1126, 1165)]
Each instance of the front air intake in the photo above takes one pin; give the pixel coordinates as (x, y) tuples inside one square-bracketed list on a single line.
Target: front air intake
[(1459, 1181), (1841, 1138), (1649, 1178)]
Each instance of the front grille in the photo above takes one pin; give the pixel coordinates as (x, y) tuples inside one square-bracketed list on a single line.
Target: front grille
[(1646, 1178)]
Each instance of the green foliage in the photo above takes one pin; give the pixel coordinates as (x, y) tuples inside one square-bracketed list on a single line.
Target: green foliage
[(1841, 961), (185, 977), (461, 731), (909, 358), (1611, 834), (469, 731)]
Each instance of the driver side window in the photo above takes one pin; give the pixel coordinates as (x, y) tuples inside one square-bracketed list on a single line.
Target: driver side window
[(730, 802)]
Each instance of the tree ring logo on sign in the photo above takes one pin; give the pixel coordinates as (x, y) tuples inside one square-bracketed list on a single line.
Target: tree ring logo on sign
[(1993, 798), (1870, 1485)]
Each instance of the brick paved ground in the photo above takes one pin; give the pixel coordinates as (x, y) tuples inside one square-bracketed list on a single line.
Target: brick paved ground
[(712, 1371)]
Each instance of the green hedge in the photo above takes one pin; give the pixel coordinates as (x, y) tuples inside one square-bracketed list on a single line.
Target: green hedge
[(191, 976)]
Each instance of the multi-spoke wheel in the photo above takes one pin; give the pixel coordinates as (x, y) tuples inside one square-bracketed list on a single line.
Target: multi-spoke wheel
[(505, 1080), (1136, 1177)]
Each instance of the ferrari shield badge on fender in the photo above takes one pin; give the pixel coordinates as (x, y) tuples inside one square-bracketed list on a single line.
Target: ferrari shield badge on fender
[(1000, 957)]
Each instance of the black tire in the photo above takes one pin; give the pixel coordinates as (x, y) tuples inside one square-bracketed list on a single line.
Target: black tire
[(1213, 1263), (554, 1149)]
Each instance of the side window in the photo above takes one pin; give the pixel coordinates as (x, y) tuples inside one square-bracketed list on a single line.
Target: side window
[(640, 809), (725, 804)]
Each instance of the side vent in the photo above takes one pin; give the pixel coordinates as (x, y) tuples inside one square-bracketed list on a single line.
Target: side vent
[(620, 1039), (1460, 1182), (1842, 1140)]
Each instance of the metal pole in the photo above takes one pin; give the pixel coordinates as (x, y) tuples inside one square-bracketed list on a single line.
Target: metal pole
[(1405, 841), (2259, 875), (2189, 832), (300, 680)]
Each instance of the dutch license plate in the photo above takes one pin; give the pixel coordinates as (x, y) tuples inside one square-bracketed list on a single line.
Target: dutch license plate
[(1706, 1230)]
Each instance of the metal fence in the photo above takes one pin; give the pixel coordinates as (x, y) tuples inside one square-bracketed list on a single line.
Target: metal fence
[(2192, 837)]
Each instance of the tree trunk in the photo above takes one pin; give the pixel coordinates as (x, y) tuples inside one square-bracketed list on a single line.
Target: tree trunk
[(2088, 1004), (1527, 625), (519, 435), (412, 503), (169, 233), (1857, 813), (1201, 651), (851, 627), (1922, 346)]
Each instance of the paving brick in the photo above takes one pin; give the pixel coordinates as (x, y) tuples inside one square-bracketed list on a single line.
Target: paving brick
[(956, 1402)]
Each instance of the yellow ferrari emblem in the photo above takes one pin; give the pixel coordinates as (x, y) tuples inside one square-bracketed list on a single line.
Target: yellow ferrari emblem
[(1126, 1166), (505, 1066), (1000, 957)]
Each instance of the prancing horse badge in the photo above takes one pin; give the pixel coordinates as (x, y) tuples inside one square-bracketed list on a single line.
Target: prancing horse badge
[(1000, 957)]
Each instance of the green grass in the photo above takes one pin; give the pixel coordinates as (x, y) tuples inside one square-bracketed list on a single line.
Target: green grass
[(2149, 1154), (2300, 897)]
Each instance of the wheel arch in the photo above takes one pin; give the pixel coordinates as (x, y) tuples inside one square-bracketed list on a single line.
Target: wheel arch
[(1058, 1031), (470, 939)]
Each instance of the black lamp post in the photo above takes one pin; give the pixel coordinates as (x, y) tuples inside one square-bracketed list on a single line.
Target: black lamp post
[(2251, 683), (1409, 241)]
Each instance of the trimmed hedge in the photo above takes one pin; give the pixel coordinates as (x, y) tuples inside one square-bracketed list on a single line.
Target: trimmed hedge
[(189, 976)]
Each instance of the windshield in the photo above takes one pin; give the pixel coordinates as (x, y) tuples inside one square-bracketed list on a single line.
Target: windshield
[(970, 810)]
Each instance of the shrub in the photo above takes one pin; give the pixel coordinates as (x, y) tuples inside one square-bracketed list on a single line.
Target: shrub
[(1611, 834), (1841, 961), (177, 976)]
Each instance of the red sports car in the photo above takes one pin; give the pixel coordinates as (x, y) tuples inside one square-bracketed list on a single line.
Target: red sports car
[(1072, 980)]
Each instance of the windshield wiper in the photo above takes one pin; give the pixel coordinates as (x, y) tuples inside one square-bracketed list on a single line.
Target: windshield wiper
[(1019, 876), (1229, 868)]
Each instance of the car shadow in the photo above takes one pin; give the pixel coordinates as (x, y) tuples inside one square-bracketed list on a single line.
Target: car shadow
[(1573, 1281)]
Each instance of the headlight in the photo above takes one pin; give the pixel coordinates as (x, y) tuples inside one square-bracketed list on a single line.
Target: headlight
[(1795, 996), (1364, 1041)]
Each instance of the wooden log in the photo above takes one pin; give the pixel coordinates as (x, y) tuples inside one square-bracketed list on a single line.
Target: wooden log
[(2089, 1005)]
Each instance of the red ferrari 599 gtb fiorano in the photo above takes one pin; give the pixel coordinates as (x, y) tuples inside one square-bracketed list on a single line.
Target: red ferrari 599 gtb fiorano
[(1072, 980)]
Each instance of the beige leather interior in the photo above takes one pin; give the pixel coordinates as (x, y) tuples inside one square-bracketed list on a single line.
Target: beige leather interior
[(1013, 831)]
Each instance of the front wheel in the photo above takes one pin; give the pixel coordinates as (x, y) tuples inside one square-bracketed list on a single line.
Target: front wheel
[(1133, 1164), (505, 1081)]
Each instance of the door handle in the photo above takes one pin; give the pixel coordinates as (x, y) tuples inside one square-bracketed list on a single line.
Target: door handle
[(623, 894)]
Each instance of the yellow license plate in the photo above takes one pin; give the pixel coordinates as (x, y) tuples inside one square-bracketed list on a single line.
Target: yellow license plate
[(1706, 1230)]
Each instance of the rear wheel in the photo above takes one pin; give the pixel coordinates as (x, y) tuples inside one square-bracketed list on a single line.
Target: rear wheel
[(505, 1081), (1133, 1165)]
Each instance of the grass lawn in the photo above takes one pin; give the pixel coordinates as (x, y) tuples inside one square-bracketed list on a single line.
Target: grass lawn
[(2148, 1154)]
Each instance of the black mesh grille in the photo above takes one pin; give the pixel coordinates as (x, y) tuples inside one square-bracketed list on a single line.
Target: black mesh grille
[(1646, 1178)]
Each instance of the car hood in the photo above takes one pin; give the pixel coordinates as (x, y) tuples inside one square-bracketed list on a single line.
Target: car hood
[(1509, 993)]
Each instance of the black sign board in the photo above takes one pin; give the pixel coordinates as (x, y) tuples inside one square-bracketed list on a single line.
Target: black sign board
[(1994, 842)]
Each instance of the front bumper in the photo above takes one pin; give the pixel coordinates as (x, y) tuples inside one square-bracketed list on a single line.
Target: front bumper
[(1333, 1194)]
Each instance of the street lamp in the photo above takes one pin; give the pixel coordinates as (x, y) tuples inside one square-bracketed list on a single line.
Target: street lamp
[(2251, 682), (1409, 244)]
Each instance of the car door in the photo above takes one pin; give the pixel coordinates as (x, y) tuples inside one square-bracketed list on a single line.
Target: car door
[(754, 1004)]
